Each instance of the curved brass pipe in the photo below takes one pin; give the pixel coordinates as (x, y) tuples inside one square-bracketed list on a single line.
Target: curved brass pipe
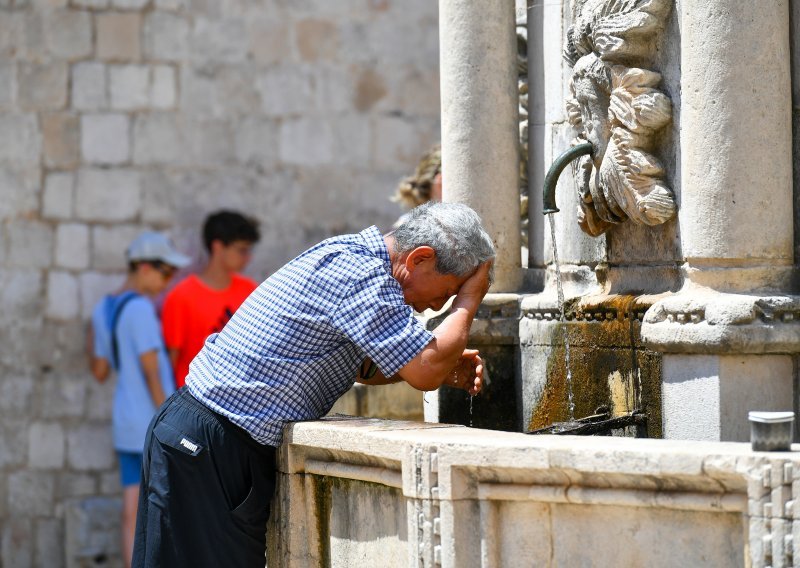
[(551, 179)]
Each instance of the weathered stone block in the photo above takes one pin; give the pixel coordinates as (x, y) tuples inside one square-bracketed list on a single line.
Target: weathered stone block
[(166, 36), (68, 33), (50, 543), (31, 493), (75, 485), (163, 87), (157, 140), (89, 3), (72, 246), (269, 40), (316, 39), (42, 86), (105, 138), (90, 447), (92, 531), (17, 542), (211, 142), (158, 191), (129, 4), (129, 86), (257, 141), (63, 300), (94, 286), (110, 484), (109, 245), (219, 41), (64, 396), (46, 445), (174, 5), (30, 244), (118, 36), (19, 192), (285, 90), (12, 442), (61, 135), (398, 142), (107, 195), (59, 190), (8, 84), (89, 86), (100, 400), (21, 143), (307, 142), (21, 295)]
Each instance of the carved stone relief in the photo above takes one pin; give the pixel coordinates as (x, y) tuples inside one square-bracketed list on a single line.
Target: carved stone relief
[(619, 109)]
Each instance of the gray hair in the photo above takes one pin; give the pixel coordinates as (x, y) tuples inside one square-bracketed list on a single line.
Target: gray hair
[(453, 230)]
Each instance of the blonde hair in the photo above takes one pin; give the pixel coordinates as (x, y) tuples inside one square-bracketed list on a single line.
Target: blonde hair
[(416, 189)]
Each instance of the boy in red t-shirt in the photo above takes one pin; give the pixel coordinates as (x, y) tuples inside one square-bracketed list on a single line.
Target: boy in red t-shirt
[(202, 304)]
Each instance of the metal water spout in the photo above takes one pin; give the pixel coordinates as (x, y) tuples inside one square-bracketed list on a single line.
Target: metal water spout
[(551, 179)]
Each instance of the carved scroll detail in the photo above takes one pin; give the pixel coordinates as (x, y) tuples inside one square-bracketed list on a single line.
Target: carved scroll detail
[(619, 109)]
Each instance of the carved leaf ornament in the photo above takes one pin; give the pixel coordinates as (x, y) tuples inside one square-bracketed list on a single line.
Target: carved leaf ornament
[(619, 109)]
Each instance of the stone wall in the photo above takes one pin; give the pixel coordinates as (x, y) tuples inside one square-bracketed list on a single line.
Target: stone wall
[(116, 115), (461, 498)]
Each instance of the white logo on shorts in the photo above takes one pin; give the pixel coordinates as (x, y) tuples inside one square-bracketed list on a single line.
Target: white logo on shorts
[(188, 445)]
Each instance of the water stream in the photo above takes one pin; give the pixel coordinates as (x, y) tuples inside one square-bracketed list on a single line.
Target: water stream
[(562, 317)]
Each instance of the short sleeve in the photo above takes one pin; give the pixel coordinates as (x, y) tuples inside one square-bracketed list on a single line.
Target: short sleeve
[(172, 320), (374, 316), (141, 325), (102, 341)]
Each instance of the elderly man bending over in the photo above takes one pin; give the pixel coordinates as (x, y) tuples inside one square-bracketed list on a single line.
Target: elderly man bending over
[(339, 312)]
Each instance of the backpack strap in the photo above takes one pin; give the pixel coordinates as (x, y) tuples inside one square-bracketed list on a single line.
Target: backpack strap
[(114, 321)]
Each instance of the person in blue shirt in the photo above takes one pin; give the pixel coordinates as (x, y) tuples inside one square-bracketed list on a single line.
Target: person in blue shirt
[(338, 313), (126, 337)]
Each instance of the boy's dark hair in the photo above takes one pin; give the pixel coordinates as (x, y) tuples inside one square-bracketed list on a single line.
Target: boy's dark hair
[(229, 226)]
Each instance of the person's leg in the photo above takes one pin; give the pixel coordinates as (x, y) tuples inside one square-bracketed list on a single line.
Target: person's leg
[(205, 493), (130, 465), (130, 500)]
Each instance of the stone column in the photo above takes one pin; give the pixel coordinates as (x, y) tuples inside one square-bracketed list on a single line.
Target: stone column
[(729, 338), (736, 144), (480, 160)]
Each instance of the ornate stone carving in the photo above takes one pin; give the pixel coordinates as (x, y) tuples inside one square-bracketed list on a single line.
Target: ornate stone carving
[(619, 109)]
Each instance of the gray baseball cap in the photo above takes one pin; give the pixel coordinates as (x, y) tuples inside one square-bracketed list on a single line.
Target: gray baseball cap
[(151, 245)]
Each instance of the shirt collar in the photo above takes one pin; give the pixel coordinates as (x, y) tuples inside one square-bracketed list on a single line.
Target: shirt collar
[(373, 239)]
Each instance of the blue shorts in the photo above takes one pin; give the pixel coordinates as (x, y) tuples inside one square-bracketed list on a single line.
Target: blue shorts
[(130, 468)]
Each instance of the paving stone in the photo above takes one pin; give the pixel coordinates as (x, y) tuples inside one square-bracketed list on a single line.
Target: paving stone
[(61, 139), (89, 86), (89, 447), (50, 543), (285, 90), (59, 192), (31, 493), (17, 542), (21, 143), (316, 39), (30, 244), (219, 41), (107, 195), (42, 86), (105, 138), (118, 36), (72, 246), (63, 299), (46, 445), (109, 245), (68, 33), (129, 86), (166, 36)]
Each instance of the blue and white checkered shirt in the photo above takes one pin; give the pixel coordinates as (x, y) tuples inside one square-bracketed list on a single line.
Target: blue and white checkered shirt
[(295, 345)]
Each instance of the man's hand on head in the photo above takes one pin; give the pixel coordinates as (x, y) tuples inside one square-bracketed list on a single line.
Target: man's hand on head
[(475, 288)]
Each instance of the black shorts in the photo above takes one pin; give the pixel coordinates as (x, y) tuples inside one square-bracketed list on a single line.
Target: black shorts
[(205, 492)]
